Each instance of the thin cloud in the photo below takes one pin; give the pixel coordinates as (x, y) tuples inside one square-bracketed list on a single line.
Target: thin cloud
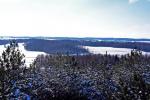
[(133, 1)]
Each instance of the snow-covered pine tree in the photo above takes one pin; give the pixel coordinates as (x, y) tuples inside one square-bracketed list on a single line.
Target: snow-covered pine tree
[(12, 64)]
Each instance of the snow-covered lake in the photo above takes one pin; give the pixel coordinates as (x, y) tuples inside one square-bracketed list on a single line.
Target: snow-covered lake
[(29, 55), (110, 50)]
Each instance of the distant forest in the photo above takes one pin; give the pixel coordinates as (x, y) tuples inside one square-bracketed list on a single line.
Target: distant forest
[(72, 46)]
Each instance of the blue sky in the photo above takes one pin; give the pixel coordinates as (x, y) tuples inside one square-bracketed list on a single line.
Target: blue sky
[(75, 18)]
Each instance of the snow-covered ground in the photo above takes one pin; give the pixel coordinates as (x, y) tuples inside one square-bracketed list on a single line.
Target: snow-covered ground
[(110, 50), (12, 38), (144, 41), (29, 55)]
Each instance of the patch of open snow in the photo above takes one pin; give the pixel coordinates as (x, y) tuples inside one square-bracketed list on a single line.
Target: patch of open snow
[(12, 38), (50, 39), (29, 55), (144, 41), (110, 50)]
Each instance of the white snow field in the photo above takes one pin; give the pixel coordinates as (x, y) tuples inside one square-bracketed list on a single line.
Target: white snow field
[(110, 50), (29, 55)]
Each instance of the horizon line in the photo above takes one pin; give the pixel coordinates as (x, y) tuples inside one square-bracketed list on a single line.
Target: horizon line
[(73, 37)]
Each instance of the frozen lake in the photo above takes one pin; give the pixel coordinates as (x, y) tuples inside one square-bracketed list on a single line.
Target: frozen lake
[(29, 55), (110, 50)]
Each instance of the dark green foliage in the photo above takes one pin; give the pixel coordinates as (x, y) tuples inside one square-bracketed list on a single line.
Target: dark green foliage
[(59, 95), (11, 68), (134, 89), (66, 77), (106, 77)]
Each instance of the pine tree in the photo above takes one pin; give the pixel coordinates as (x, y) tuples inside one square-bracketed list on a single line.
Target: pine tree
[(135, 89), (11, 68)]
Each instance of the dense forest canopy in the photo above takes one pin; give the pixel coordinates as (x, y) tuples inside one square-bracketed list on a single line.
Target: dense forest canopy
[(67, 77)]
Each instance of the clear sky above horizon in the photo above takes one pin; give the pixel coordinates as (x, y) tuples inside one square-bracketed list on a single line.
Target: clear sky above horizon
[(75, 18)]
